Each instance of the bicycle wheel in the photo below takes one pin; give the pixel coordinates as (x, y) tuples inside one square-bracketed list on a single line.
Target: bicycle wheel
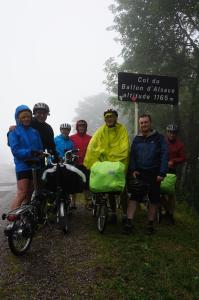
[(63, 216), (102, 217), (94, 206), (20, 237), (94, 210)]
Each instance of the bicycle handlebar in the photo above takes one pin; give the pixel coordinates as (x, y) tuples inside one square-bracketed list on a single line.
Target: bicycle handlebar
[(69, 157)]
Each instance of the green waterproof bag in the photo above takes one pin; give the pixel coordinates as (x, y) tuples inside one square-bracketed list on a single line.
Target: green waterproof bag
[(167, 186), (107, 176)]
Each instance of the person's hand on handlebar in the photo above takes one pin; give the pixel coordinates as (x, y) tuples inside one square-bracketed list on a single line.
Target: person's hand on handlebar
[(37, 153), (56, 159)]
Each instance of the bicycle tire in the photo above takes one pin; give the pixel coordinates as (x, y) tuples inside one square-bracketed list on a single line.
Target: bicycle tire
[(63, 216), (102, 218), (94, 206), (94, 210), (22, 232)]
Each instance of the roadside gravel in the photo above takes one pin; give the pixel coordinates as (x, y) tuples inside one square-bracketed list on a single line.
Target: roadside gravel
[(57, 266)]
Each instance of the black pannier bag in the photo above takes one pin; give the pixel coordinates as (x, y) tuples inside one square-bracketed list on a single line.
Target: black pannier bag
[(70, 181)]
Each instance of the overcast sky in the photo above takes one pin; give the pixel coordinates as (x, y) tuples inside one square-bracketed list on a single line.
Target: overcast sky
[(52, 51)]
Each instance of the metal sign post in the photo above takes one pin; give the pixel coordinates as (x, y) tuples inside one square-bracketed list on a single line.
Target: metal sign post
[(136, 119)]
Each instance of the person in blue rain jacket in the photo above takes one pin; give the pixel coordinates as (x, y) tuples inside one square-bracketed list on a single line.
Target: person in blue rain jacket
[(25, 144), (62, 141)]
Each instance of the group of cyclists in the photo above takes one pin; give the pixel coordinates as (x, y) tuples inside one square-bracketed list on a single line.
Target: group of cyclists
[(150, 158)]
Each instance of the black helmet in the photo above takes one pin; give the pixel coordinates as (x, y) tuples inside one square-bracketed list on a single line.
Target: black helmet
[(110, 111), (172, 127), (81, 122), (136, 187), (41, 105)]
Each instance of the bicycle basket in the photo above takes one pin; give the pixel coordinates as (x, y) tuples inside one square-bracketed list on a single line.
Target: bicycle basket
[(107, 176), (70, 182), (49, 179)]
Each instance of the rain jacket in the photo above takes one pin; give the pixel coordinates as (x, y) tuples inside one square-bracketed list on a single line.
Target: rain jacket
[(149, 153), (46, 134), (22, 140), (176, 152), (108, 144), (63, 144), (81, 142)]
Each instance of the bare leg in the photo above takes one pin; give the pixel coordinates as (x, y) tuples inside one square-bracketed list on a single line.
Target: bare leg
[(152, 212), (87, 199), (73, 200), (165, 203), (171, 203), (23, 192), (132, 206), (128, 226), (124, 201)]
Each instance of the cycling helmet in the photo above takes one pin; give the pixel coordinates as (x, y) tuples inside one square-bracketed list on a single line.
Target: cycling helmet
[(41, 105), (136, 187), (110, 111), (172, 127), (65, 126), (81, 122)]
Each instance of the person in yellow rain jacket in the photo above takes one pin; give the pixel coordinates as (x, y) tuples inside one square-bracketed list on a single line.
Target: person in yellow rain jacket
[(109, 143)]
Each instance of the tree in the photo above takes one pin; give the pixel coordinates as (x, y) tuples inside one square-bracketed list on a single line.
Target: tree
[(162, 37)]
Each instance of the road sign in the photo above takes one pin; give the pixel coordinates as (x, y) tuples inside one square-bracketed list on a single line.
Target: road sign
[(147, 88)]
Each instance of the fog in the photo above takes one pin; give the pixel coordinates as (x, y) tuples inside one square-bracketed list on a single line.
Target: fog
[(51, 51)]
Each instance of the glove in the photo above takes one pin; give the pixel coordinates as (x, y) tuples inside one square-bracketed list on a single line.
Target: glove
[(56, 159), (36, 153)]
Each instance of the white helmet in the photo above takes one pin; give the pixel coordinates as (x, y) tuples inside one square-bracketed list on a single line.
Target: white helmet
[(65, 126), (172, 128), (41, 105)]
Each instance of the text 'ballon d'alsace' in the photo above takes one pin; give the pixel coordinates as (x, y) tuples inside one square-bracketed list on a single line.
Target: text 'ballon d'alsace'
[(147, 88)]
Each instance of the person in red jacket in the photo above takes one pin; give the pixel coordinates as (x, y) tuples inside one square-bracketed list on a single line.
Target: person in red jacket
[(175, 148), (81, 140), (176, 151)]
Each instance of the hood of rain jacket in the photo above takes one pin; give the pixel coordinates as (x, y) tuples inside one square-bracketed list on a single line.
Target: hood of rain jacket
[(20, 109)]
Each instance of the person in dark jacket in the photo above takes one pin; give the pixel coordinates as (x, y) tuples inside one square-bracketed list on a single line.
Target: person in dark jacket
[(25, 143), (148, 162), (40, 113)]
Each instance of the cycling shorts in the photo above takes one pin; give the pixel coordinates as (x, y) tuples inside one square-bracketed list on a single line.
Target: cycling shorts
[(150, 178), (24, 175)]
